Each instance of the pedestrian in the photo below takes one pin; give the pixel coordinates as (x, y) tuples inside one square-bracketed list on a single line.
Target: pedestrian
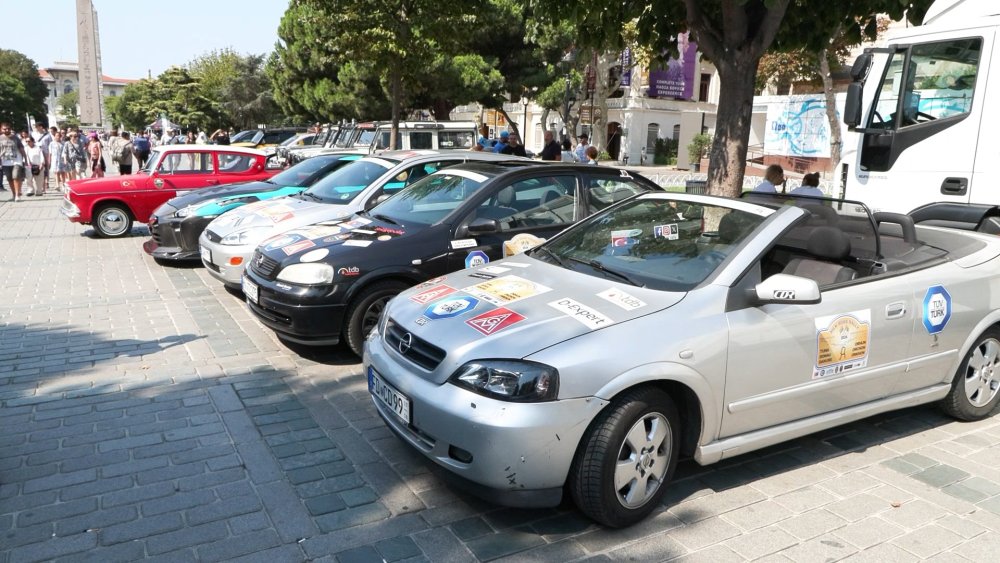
[(190, 138), (514, 146), (141, 146), (220, 137), (95, 152), (202, 138), (75, 155), (127, 149), (773, 177), (591, 155), (809, 187), (43, 139), (502, 143), (567, 151), (34, 164), (581, 149), (12, 159), (551, 150), (484, 137), (57, 160)]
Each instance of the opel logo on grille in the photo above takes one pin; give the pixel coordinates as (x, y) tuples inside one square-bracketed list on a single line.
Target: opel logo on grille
[(405, 343), (260, 259)]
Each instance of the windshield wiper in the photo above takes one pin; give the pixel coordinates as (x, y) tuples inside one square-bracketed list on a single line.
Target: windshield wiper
[(613, 273), (313, 197), (385, 218), (557, 258)]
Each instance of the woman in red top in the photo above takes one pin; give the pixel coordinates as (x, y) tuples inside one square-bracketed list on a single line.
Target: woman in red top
[(95, 152)]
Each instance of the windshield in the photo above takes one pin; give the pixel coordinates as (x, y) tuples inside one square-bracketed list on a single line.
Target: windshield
[(345, 183), (151, 163), (365, 138), (431, 199), (670, 245), (243, 136), (302, 173)]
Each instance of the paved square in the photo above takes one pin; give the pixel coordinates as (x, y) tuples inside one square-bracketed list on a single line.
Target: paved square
[(145, 413)]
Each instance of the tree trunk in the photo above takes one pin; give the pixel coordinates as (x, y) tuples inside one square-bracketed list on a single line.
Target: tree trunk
[(728, 157), (511, 123), (602, 89), (396, 90), (545, 119), (836, 142)]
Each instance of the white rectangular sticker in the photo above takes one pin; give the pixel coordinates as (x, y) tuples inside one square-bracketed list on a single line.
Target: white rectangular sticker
[(622, 299), (464, 243), (493, 269), (250, 290), (842, 343), (581, 313), (355, 242), (516, 264)]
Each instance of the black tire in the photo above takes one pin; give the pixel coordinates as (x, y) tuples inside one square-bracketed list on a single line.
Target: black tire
[(112, 220), (592, 478), (363, 312), (975, 391)]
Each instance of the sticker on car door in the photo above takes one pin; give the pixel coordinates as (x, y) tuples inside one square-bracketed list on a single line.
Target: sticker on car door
[(842, 343)]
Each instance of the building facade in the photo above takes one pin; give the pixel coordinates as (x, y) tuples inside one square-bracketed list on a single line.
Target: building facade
[(64, 77)]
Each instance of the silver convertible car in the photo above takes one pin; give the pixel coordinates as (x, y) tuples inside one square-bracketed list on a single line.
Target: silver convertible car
[(680, 325)]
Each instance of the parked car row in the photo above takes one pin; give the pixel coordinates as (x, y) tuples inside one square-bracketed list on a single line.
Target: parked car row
[(538, 329)]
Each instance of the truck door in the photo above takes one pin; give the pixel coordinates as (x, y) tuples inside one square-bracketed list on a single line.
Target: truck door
[(922, 131)]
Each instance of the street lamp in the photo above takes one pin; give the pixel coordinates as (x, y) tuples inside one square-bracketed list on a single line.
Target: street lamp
[(526, 101), (568, 59)]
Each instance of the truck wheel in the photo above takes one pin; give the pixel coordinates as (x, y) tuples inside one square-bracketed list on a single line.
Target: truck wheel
[(112, 220), (365, 309), (975, 390), (626, 458)]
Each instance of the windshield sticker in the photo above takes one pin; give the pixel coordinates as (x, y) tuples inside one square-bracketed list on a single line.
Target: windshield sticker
[(389, 230), (314, 255), (624, 238), (450, 307), (669, 232), (520, 243), (463, 243), (622, 299), (937, 309), (507, 289), (842, 343), (359, 243), (482, 275), (581, 313), (282, 240), (494, 321), (625, 174), (318, 231), (476, 258), (348, 272), (435, 292), (298, 247), (494, 270), (355, 223)]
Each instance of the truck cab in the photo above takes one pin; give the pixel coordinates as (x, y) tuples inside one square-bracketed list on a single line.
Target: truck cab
[(920, 128), (435, 135)]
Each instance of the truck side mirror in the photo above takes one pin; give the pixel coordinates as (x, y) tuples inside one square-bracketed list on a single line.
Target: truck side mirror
[(852, 105), (861, 66)]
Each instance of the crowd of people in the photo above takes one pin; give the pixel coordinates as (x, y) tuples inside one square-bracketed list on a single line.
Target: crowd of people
[(510, 143)]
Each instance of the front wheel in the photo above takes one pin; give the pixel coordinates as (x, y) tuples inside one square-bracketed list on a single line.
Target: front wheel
[(975, 390), (626, 458), (363, 313), (112, 220)]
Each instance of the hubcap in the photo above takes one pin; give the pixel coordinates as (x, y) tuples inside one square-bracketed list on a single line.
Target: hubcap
[(370, 319), (642, 460), (112, 221), (981, 383)]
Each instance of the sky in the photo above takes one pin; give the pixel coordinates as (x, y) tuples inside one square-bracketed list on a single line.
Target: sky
[(142, 36)]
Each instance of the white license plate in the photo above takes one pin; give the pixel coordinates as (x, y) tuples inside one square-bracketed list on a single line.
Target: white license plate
[(397, 402), (250, 290), (206, 255)]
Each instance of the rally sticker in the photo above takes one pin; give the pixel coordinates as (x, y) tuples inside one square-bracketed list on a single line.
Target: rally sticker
[(476, 258), (842, 343), (431, 294), (320, 231), (433, 281), (520, 243), (623, 237), (581, 313), (389, 230), (314, 255), (298, 247), (669, 232), (364, 232), (937, 309), (281, 241), (355, 223), (494, 321), (463, 243), (507, 289), (494, 270), (622, 299), (452, 307), (349, 271), (356, 242)]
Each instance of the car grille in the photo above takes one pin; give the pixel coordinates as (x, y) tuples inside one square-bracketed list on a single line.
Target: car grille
[(420, 352), (212, 237), (270, 314), (263, 265)]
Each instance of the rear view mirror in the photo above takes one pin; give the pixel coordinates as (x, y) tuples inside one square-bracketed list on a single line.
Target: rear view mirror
[(783, 288)]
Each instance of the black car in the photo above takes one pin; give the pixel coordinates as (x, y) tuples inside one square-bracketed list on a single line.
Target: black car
[(319, 284), (176, 225)]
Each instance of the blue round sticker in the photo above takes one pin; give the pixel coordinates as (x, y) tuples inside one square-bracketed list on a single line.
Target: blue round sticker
[(937, 309), (452, 307), (476, 258)]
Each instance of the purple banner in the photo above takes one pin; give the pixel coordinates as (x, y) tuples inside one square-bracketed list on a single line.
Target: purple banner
[(626, 61), (677, 80)]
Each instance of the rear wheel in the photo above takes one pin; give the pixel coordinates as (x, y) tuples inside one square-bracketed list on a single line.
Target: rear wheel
[(112, 220), (975, 390), (626, 458), (363, 313)]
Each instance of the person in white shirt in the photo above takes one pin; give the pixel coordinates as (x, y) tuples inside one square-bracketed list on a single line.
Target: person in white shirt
[(581, 149), (773, 177), (12, 159), (57, 161), (34, 167), (809, 187)]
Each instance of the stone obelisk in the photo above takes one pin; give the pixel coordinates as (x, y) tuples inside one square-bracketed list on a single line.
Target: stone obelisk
[(88, 45)]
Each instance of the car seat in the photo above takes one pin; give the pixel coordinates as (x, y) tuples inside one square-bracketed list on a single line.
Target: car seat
[(827, 246)]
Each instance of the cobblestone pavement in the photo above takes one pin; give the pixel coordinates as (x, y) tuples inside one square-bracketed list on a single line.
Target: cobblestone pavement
[(144, 413)]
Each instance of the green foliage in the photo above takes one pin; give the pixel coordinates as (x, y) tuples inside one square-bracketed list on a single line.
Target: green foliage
[(665, 151), (67, 107), (174, 94), (698, 147), (22, 92)]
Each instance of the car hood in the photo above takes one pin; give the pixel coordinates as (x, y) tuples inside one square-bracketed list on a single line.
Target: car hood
[(281, 214), (513, 308), (337, 239), (202, 195)]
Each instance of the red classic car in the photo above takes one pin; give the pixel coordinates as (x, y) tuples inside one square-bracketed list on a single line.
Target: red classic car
[(111, 204)]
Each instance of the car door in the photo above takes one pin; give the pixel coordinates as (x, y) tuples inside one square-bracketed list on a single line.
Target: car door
[(177, 172), (790, 362), (539, 206), (235, 167)]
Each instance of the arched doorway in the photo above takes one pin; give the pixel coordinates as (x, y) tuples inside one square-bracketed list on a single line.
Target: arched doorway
[(614, 139)]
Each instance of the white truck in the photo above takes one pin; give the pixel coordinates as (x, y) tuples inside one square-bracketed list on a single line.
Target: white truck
[(923, 118)]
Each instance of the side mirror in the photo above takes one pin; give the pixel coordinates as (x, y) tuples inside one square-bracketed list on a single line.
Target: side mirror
[(482, 225), (852, 105), (861, 66), (783, 288)]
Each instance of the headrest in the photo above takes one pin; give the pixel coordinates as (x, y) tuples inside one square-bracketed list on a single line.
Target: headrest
[(730, 228), (829, 243)]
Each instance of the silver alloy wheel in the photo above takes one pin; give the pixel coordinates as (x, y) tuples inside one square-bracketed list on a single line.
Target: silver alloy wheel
[(981, 383), (643, 460), (112, 221)]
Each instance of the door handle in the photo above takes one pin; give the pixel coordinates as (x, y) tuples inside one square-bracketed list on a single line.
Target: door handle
[(895, 310), (955, 186)]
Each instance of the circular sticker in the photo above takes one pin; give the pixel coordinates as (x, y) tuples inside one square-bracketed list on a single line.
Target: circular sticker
[(314, 255), (385, 237)]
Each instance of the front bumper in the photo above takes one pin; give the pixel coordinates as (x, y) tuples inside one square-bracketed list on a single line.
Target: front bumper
[(226, 262), (175, 239), (520, 452), (310, 316), (70, 210)]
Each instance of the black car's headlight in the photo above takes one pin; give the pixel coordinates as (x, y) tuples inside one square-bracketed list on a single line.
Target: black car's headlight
[(510, 380)]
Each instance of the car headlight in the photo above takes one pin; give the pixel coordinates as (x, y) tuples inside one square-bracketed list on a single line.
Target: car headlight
[(184, 212), (510, 380), (307, 274), (241, 237)]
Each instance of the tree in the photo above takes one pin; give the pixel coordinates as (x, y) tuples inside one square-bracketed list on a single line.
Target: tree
[(22, 91), (247, 99), (68, 104), (174, 94)]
